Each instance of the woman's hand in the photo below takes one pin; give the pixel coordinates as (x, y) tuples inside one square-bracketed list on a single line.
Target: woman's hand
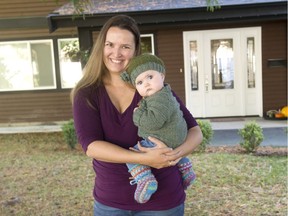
[(159, 156)]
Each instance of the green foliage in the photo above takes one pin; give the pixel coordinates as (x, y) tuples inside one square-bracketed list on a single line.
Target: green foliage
[(252, 135), (79, 7), (72, 50), (70, 134), (212, 5), (207, 132)]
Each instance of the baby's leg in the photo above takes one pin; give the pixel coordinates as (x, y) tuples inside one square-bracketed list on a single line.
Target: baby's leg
[(143, 177), (187, 172), (145, 180), (145, 143)]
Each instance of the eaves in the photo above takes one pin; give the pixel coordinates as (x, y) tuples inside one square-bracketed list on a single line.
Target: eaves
[(231, 13)]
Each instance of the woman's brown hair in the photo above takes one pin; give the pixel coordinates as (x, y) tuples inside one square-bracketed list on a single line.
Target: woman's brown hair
[(95, 68)]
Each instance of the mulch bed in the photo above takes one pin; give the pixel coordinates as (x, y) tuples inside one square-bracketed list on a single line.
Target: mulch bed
[(261, 151)]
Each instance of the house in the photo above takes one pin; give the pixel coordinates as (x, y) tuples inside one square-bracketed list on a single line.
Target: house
[(230, 62), (30, 80)]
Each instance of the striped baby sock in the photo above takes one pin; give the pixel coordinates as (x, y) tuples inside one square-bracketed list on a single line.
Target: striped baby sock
[(187, 172), (145, 180)]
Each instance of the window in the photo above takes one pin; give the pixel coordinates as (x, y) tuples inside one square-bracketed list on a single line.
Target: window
[(251, 62), (147, 43), (194, 65), (70, 62), (27, 65), (222, 58)]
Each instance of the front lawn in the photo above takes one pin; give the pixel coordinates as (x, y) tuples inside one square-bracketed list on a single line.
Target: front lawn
[(40, 175)]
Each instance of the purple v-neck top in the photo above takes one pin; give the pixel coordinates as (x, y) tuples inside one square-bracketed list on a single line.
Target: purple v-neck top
[(100, 120)]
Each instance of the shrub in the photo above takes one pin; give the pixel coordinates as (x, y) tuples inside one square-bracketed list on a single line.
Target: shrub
[(207, 132), (69, 133), (252, 135)]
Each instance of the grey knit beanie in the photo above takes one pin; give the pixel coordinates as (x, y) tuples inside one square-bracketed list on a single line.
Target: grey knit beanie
[(140, 64)]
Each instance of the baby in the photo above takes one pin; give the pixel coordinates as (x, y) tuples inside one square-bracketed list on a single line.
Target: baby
[(159, 116)]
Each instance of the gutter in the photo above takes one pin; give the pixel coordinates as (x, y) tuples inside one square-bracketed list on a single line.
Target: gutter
[(231, 13)]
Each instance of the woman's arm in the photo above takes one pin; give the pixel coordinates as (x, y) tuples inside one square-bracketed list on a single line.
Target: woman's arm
[(155, 157), (90, 133), (193, 139), (194, 136)]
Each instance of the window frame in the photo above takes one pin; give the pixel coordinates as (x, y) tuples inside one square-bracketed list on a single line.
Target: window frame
[(29, 43), (61, 73), (151, 40)]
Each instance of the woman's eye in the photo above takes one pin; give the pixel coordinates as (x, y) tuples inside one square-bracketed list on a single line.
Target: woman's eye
[(125, 47), (139, 83), (108, 44)]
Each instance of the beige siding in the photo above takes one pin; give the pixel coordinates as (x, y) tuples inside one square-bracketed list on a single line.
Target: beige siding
[(28, 8), (24, 34), (35, 107)]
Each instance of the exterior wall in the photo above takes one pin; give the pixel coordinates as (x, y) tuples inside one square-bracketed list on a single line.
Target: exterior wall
[(37, 105), (169, 47), (274, 46), (27, 8), (23, 107)]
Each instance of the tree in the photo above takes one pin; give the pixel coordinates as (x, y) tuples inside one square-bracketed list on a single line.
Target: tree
[(212, 5)]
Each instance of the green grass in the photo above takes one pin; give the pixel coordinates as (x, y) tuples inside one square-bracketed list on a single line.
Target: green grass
[(40, 175), (230, 184)]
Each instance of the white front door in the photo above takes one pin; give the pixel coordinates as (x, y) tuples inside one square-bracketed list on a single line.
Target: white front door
[(223, 72)]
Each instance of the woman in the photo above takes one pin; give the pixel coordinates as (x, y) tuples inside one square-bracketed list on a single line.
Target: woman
[(103, 106)]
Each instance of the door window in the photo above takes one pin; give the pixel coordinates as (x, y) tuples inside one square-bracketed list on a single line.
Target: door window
[(222, 64)]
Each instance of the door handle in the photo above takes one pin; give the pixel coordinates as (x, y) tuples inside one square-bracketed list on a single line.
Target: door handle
[(206, 87)]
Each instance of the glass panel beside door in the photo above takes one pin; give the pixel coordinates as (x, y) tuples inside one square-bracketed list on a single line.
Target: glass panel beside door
[(194, 65)]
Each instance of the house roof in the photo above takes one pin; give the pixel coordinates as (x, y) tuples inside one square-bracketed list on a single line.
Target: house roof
[(149, 12)]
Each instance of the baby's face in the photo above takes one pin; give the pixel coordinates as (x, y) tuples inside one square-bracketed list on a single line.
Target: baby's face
[(149, 82)]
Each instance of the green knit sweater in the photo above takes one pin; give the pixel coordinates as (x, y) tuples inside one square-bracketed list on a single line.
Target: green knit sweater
[(159, 116)]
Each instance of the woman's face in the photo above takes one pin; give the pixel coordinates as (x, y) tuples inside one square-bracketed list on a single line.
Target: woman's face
[(119, 48)]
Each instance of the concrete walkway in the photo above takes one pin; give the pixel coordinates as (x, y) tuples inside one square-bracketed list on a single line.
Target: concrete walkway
[(29, 128), (225, 130)]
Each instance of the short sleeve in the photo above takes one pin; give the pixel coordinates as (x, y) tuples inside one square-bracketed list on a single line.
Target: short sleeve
[(87, 120)]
